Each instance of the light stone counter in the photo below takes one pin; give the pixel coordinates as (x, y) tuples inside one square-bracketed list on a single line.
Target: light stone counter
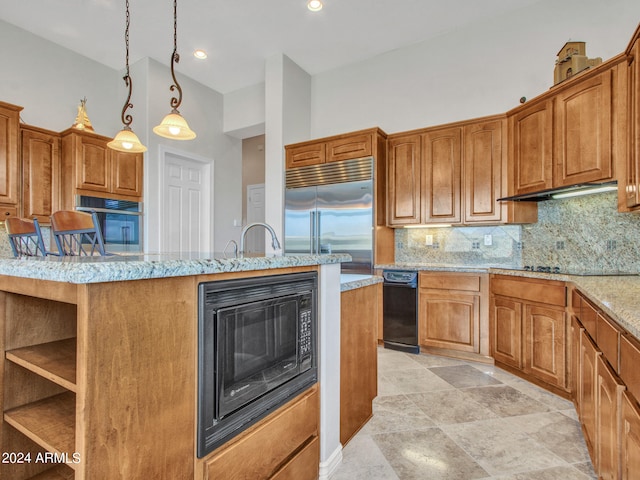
[(136, 267), (351, 281)]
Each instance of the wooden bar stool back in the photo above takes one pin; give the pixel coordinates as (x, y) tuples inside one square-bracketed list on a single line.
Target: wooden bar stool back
[(25, 237), (77, 233)]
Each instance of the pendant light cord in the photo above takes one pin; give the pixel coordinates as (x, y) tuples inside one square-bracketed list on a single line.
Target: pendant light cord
[(127, 118), (175, 58)]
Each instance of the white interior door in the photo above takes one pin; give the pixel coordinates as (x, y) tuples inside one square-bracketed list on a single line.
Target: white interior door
[(186, 211), (255, 213)]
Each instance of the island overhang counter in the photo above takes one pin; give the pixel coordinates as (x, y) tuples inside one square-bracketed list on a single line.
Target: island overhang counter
[(99, 378)]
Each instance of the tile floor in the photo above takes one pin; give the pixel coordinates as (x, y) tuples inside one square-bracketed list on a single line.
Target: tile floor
[(440, 418)]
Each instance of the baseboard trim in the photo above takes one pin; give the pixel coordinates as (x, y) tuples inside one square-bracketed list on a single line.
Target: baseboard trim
[(331, 464)]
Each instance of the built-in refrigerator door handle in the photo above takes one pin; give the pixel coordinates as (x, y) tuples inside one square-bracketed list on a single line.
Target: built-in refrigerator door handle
[(312, 230), (318, 231)]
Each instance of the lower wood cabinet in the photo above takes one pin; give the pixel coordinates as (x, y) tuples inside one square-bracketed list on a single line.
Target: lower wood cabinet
[(283, 446), (609, 390), (360, 311), (453, 313), (528, 329), (630, 438)]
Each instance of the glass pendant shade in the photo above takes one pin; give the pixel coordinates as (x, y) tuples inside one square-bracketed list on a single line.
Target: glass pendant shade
[(174, 126), (127, 141)]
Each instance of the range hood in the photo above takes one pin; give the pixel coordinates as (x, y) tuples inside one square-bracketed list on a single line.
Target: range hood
[(551, 193)]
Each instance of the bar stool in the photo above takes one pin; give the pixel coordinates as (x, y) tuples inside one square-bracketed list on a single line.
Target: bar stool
[(77, 233), (25, 237)]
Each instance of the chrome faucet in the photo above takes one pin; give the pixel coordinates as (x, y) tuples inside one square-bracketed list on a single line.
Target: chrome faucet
[(274, 239)]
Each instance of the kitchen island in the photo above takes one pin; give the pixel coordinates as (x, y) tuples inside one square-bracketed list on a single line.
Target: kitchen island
[(99, 378)]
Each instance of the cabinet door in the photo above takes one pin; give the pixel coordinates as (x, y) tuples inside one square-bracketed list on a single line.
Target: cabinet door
[(450, 320), (545, 344), (531, 134), (9, 162), (350, 147), (609, 394), (93, 164), (126, 173), (441, 155), (583, 132), (587, 392), (630, 438), (574, 360), (632, 190), (403, 182), (40, 173), (506, 341), (305, 154), (483, 144)]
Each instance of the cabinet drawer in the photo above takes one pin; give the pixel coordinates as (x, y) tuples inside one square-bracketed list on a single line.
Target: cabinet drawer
[(589, 319), (355, 146), (304, 466), (7, 211), (608, 339), (447, 281), (261, 450), (629, 362), (549, 292)]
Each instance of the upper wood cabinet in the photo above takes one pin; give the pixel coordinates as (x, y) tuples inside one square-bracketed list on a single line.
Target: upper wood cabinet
[(531, 136), (441, 175), (452, 175), (40, 154), (91, 168), (583, 120), (9, 160), (349, 146), (404, 156), (632, 179)]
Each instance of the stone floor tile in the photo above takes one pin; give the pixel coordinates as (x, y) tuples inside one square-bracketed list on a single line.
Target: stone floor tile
[(462, 376)]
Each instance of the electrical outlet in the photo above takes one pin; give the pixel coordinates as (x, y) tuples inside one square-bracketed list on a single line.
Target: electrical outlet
[(488, 240), (428, 240)]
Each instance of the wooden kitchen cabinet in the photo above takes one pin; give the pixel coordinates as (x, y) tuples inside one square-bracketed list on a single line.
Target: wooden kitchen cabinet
[(587, 392), (441, 175), (348, 146), (89, 167), (404, 198), (531, 141), (453, 317), (40, 154), (528, 329), (629, 438), (609, 390), (632, 163), (583, 120), (360, 313), (9, 159)]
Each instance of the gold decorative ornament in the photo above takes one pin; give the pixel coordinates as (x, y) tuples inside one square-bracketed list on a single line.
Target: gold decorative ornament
[(572, 58), (82, 120)]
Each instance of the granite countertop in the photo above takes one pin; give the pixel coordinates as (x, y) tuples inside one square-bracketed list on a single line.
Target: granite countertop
[(136, 267), (351, 281)]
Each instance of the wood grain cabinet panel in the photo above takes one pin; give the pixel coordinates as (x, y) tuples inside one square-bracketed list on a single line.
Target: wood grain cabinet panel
[(630, 438), (587, 392), (40, 155), (545, 344), (506, 331), (632, 180), (531, 136), (350, 147), (305, 154), (403, 180), (583, 122), (441, 175), (609, 390), (126, 173), (9, 161)]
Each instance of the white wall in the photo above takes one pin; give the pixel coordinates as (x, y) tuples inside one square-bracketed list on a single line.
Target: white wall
[(481, 70), (49, 81), (244, 112)]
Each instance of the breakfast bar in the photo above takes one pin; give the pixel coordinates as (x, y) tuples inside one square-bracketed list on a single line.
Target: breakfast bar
[(100, 371)]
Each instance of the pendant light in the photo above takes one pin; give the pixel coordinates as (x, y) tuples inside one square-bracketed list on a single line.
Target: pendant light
[(174, 125), (126, 140)]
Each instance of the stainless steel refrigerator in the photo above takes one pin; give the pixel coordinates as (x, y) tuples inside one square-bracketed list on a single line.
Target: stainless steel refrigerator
[(329, 209)]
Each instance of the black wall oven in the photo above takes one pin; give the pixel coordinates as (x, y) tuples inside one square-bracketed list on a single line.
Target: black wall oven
[(256, 350)]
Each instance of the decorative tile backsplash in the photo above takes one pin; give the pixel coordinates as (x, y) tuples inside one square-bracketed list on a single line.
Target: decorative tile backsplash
[(580, 233)]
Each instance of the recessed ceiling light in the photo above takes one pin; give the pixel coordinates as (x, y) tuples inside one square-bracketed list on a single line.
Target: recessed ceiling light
[(314, 5), (200, 54)]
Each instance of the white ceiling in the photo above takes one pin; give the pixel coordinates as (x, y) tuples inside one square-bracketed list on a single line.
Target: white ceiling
[(239, 35)]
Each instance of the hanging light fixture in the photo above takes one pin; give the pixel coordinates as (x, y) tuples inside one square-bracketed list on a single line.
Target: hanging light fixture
[(174, 125), (314, 5), (126, 140)]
